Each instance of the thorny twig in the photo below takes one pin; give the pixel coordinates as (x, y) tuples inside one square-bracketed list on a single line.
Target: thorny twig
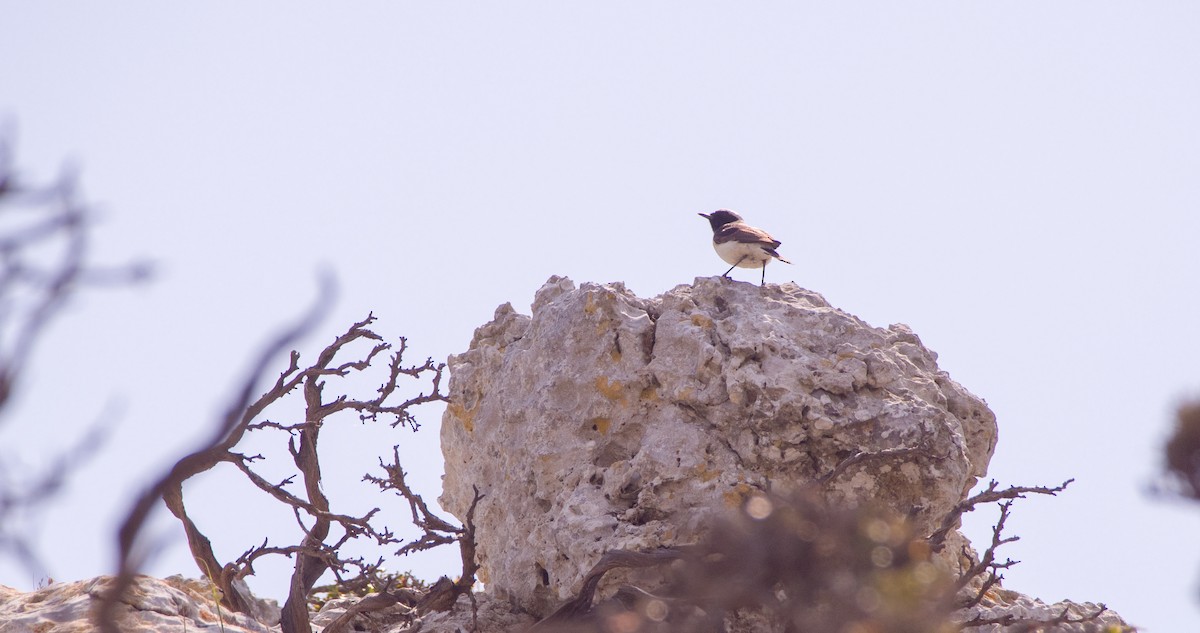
[(435, 530), (987, 565), (444, 592), (987, 561), (938, 539)]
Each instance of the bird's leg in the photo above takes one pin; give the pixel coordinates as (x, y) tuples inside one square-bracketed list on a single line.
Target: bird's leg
[(735, 265), (764, 277)]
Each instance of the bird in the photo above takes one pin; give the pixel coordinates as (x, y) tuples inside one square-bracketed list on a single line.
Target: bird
[(740, 244)]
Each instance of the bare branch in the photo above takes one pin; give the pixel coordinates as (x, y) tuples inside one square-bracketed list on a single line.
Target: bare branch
[(129, 555), (432, 525), (987, 561), (324, 532), (375, 602), (436, 531), (938, 539)]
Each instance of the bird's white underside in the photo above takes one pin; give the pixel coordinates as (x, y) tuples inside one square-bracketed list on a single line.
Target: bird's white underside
[(731, 252)]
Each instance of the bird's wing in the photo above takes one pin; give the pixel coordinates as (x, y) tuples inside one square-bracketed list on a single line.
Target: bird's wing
[(739, 232)]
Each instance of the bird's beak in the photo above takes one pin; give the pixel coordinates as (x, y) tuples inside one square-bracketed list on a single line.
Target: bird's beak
[(703, 215)]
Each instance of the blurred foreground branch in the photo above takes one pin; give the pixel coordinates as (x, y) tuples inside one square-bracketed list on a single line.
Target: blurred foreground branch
[(132, 552), (45, 235), (1183, 453), (799, 563)]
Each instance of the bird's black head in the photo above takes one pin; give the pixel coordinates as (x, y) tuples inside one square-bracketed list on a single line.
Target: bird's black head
[(721, 217)]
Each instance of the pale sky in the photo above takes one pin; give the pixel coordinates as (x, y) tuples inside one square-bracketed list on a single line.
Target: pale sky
[(1016, 181)]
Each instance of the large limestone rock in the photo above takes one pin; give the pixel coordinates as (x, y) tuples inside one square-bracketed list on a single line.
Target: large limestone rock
[(608, 421)]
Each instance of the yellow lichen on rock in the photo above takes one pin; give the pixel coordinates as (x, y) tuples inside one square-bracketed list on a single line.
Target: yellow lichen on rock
[(464, 415), (734, 498), (703, 473), (612, 390), (601, 425)]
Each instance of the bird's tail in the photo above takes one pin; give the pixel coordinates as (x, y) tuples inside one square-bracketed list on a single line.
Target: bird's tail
[(786, 261)]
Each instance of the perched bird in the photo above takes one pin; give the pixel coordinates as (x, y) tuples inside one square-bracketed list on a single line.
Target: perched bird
[(740, 244)]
